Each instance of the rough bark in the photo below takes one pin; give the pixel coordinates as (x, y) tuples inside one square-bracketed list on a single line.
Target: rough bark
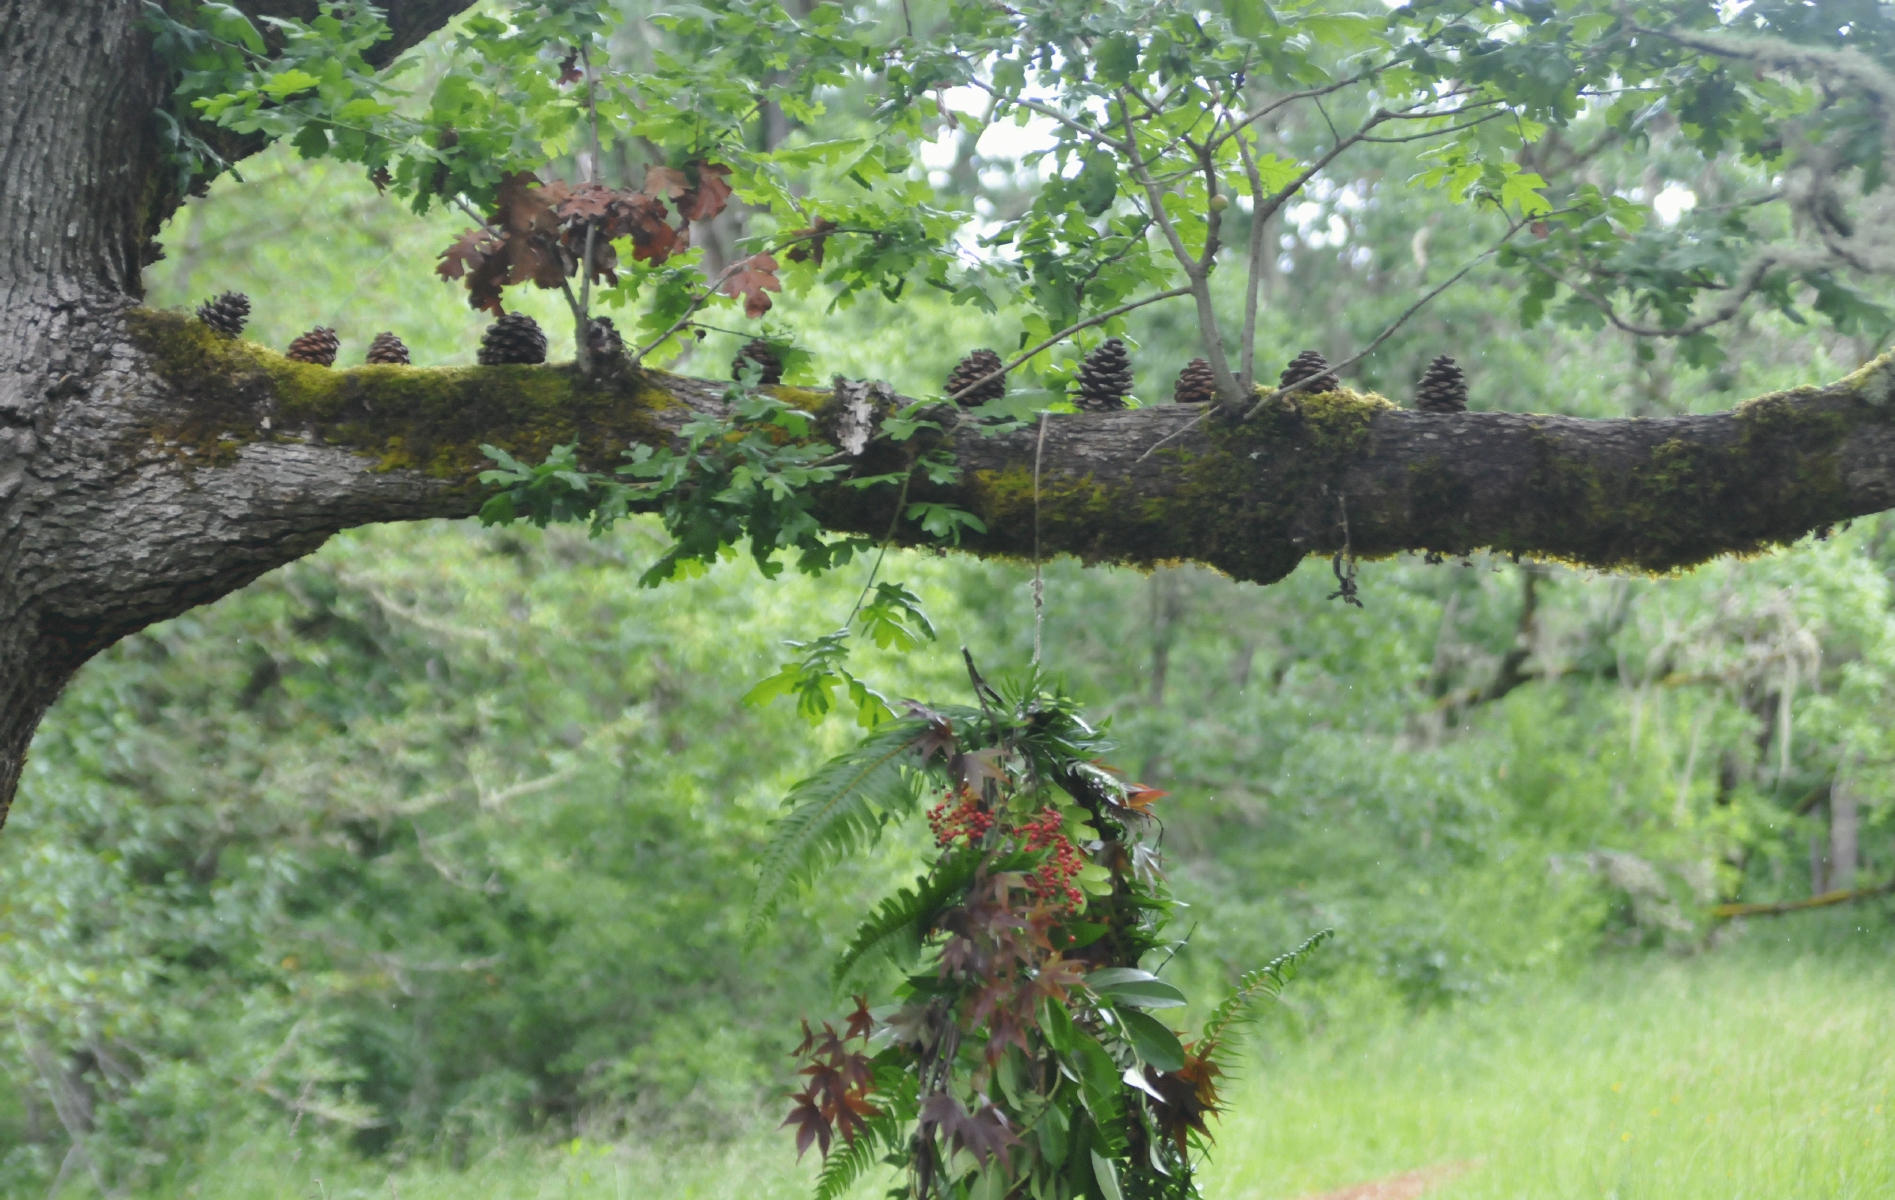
[(147, 465)]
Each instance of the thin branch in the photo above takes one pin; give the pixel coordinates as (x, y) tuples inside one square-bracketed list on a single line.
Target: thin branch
[(1725, 912), (702, 299), (1067, 332), (1052, 114), (1414, 308)]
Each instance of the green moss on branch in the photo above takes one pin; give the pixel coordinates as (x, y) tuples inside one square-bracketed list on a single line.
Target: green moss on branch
[(428, 419)]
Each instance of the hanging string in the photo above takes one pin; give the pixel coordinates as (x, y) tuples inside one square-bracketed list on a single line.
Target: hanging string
[(1039, 581)]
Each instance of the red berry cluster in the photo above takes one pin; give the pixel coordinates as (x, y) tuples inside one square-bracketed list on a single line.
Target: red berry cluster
[(959, 817), (1052, 883)]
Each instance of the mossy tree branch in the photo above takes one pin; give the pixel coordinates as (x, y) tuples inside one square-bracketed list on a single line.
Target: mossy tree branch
[(1252, 499)]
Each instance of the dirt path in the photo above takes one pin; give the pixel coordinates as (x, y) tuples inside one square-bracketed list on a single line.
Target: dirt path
[(1409, 1185)]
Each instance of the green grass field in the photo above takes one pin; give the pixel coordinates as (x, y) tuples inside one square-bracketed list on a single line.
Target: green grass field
[(1735, 1076)]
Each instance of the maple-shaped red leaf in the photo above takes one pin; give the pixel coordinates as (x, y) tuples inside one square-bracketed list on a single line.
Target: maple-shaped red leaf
[(588, 201), (811, 1125), (861, 1021), (751, 280), (814, 240), (665, 182), (984, 1134), (1056, 977), (936, 738), (708, 198), (643, 220)]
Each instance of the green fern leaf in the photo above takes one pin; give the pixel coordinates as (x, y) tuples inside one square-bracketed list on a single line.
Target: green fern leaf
[(837, 811), (898, 922), (851, 1161), (1267, 980)]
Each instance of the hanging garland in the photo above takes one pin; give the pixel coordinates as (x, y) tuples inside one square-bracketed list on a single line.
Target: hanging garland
[(1021, 1055)]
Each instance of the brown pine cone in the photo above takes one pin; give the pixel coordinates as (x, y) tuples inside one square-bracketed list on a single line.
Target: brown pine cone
[(387, 350), (1308, 369), (1105, 378), (226, 314), (976, 365), (514, 339), (604, 344), (1196, 384), (1443, 388), (318, 346), (762, 353)]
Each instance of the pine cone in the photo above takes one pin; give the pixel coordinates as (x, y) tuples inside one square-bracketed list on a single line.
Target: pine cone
[(514, 338), (763, 354), (1105, 378), (1196, 384), (1443, 388), (387, 350), (318, 346), (604, 344), (226, 314), (974, 366), (1310, 365)]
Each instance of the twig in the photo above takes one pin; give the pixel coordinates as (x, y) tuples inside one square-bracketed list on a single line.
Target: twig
[(696, 304), (1065, 333), (894, 523), (1840, 896), (1414, 308), (1345, 581)]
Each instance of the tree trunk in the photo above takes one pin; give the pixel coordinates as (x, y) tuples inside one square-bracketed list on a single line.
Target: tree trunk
[(148, 465)]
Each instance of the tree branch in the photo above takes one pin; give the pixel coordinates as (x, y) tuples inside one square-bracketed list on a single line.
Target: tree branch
[(1252, 498)]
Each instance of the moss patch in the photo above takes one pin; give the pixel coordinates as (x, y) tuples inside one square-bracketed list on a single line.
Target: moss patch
[(1231, 505), (429, 419), (1682, 502)]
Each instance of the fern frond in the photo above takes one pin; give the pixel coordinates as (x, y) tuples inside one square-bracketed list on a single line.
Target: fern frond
[(836, 811), (1267, 980), (853, 1159), (898, 922)]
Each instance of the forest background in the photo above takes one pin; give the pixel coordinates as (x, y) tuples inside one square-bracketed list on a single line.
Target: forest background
[(433, 851)]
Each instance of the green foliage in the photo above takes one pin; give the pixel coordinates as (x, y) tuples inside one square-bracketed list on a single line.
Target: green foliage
[(899, 924), (1148, 123), (1031, 980), (840, 808)]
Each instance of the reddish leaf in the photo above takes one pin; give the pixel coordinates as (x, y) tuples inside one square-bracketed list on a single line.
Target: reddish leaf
[(815, 241), (751, 280), (1139, 798), (861, 1022), (569, 71), (468, 251), (811, 1125), (984, 1134), (666, 182), (708, 198)]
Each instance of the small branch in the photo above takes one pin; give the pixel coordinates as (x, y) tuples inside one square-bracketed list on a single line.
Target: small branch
[(1067, 332), (1725, 912), (1389, 332), (1053, 114), (684, 320)]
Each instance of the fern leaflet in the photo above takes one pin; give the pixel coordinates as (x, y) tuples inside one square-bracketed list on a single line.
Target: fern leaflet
[(836, 811), (1267, 980), (898, 922), (841, 1170)]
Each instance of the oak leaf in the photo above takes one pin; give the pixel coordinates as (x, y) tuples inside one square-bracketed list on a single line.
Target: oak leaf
[(709, 197), (754, 277)]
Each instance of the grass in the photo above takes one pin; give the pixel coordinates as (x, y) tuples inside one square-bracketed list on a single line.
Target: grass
[(1730, 1077), (1733, 1076)]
